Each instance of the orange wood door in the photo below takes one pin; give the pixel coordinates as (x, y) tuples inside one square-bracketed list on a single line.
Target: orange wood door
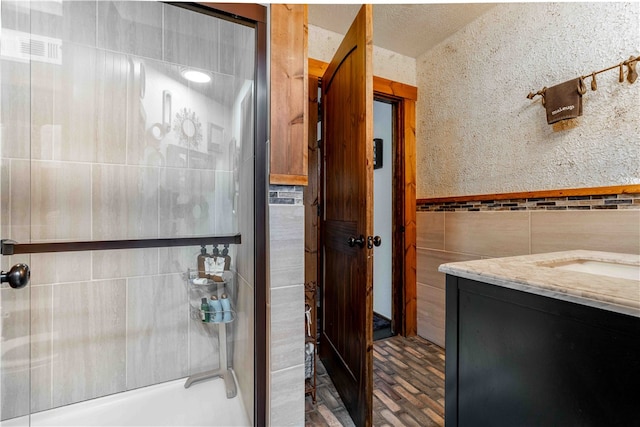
[(347, 334)]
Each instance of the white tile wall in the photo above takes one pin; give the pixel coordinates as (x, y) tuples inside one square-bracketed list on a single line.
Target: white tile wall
[(69, 21), (61, 267), (157, 331), (88, 340), (126, 263), (187, 32), (287, 397), (16, 350), (286, 223), (287, 327), (131, 27), (286, 342), (243, 344)]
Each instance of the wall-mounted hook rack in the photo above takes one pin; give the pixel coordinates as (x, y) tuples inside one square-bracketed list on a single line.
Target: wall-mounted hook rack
[(632, 75)]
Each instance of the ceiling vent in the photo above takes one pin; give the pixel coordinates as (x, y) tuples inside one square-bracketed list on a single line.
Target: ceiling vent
[(24, 47)]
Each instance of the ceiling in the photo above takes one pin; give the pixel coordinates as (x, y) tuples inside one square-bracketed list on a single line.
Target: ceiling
[(408, 29)]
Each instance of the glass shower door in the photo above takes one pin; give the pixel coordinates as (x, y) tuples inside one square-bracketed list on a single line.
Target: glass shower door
[(15, 151), (127, 151)]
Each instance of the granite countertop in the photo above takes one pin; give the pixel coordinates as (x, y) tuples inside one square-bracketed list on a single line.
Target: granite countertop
[(537, 274)]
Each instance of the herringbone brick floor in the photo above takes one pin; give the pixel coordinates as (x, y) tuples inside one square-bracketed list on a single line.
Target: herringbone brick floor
[(408, 382)]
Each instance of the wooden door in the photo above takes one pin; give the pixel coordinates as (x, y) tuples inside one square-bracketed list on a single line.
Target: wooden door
[(347, 334)]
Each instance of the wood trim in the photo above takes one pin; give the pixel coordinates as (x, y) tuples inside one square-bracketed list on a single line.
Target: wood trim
[(404, 212), (396, 89), (380, 85), (396, 92), (589, 191), (289, 107), (286, 179), (311, 193), (410, 326), (405, 96), (317, 68), (398, 217)]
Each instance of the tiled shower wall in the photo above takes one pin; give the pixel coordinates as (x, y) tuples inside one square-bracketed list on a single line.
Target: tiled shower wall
[(80, 162), (461, 236), (286, 229)]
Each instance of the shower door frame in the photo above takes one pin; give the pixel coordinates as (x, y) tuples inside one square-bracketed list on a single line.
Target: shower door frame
[(257, 15), (253, 15)]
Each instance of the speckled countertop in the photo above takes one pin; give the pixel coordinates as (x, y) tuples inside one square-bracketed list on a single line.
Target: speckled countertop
[(536, 274)]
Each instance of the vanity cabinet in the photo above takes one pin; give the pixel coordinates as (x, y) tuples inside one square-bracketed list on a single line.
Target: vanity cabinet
[(289, 94), (516, 358)]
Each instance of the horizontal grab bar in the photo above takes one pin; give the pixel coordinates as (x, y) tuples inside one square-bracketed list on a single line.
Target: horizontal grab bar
[(9, 247)]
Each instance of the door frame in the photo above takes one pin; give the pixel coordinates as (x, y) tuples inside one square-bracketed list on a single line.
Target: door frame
[(403, 97)]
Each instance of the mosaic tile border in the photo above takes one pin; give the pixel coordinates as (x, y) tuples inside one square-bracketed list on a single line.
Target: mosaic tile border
[(285, 194), (581, 203)]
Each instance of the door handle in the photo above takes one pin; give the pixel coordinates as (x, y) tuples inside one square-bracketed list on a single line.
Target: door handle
[(373, 241), (17, 277), (352, 241)]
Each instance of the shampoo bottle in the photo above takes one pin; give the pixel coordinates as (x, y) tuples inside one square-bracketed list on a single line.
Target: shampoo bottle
[(204, 311), (227, 316), (215, 307), (227, 258), (201, 261)]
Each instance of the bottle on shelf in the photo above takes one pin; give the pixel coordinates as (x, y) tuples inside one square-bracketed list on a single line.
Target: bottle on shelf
[(227, 258), (205, 316), (215, 307), (202, 261), (227, 316)]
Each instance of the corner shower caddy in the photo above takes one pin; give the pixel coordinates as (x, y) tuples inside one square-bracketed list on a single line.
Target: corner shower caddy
[(196, 292)]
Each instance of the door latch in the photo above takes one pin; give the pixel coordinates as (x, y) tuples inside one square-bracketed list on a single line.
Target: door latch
[(373, 241)]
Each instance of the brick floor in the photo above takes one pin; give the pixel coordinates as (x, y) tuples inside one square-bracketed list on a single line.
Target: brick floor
[(408, 381)]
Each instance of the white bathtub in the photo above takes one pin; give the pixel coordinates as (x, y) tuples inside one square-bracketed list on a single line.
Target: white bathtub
[(168, 404)]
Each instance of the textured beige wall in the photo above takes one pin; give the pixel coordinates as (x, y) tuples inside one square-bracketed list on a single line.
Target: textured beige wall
[(390, 65), (477, 133)]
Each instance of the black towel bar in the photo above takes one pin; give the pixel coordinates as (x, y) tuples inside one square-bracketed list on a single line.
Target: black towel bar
[(10, 247)]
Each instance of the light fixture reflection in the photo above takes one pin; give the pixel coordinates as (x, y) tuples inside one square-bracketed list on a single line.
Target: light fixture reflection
[(195, 76)]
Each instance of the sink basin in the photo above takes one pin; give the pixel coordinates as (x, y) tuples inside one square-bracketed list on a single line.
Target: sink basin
[(602, 268)]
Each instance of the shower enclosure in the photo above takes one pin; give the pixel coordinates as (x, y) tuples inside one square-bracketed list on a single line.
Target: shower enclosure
[(132, 142)]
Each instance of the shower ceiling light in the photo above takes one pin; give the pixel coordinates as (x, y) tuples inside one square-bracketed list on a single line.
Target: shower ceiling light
[(195, 76)]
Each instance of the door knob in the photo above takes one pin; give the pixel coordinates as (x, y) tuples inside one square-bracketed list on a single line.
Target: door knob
[(352, 241), (373, 241), (17, 277)]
